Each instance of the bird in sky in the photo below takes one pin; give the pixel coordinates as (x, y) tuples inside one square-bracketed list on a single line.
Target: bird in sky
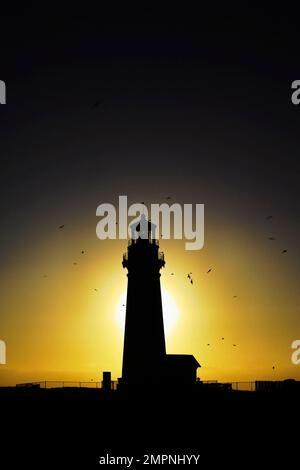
[(82, 252), (223, 338), (61, 226), (45, 275), (168, 198), (210, 269), (273, 367), (235, 296), (208, 344), (191, 281), (234, 345), (189, 275), (172, 274), (97, 104), (95, 289), (284, 251), (74, 263), (272, 238), (269, 217)]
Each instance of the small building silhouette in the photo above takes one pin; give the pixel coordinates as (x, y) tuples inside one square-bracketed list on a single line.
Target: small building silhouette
[(106, 381), (144, 355), (181, 368)]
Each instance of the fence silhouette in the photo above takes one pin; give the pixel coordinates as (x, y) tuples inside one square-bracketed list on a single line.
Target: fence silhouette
[(48, 384)]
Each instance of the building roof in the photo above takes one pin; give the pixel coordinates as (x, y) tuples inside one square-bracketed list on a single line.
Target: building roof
[(183, 360)]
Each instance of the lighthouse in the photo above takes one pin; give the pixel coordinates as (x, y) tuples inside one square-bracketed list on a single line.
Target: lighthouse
[(144, 339), (144, 354)]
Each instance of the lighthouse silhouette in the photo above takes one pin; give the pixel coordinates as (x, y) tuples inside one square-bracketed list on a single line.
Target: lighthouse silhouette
[(144, 355)]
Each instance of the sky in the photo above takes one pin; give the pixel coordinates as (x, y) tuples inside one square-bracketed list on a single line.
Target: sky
[(149, 107)]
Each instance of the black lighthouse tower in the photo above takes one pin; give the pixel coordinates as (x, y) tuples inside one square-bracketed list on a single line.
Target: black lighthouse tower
[(144, 356), (144, 340)]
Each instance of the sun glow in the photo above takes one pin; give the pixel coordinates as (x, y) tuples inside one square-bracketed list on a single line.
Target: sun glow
[(170, 311)]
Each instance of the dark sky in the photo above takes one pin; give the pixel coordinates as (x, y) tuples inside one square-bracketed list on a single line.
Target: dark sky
[(194, 106)]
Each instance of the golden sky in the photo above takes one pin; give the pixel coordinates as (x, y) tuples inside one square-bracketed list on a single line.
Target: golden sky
[(59, 328)]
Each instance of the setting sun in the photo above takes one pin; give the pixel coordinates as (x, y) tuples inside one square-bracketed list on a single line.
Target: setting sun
[(170, 311)]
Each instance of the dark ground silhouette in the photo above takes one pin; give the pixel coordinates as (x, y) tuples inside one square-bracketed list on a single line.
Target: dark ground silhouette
[(76, 426)]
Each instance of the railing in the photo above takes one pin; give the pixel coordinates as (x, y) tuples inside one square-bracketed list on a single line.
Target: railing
[(244, 386), (161, 256), (47, 384), (213, 384), (133, 241)]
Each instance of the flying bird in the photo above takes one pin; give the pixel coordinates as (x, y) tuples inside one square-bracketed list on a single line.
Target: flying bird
[(223, 338), (45, 275), (61, 226), (273, 367), (189, 275), (208, 344), (192, 281), (97, 104), (272, 238), (235, 296), (284, 251), (172, 274), (96, 290), (210, 269), (168, 198), (82, 252), (234, 345), (269, 217), (74, 263)]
